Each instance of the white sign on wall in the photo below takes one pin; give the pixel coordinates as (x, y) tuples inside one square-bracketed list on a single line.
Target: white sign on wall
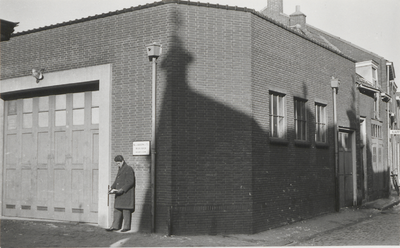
[(141, 148), (394, 131)]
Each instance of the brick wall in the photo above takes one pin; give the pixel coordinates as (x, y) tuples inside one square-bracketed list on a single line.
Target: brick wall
[(378, 180), (208, 109), (216, 168), (292, 181), (119, 40)]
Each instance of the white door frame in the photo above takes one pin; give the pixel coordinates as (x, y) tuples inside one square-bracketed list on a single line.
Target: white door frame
[(102, 73)]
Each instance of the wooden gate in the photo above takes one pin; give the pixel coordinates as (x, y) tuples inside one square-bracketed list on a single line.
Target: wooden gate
[(51, 157)]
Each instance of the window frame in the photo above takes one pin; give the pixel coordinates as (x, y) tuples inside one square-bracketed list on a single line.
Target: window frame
[(301, 121), (278, 134), (321, 138)]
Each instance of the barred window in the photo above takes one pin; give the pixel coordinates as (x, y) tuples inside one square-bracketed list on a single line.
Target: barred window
[(277, 115), (300, 119), (320, 123)]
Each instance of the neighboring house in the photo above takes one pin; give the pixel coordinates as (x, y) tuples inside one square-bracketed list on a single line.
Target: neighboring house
[(376, 98), (374, 102), (245, 126)]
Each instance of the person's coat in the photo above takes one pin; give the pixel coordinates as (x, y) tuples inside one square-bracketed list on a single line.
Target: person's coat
[(125, 180)]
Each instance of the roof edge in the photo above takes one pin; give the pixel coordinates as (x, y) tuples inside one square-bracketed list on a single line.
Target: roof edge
[(188, 2), (347, 42)]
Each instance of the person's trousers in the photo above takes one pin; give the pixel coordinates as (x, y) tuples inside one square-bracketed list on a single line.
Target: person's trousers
[(122, 214)]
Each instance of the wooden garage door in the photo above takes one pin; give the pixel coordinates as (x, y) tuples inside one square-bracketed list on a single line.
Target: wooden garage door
[(51, 157)]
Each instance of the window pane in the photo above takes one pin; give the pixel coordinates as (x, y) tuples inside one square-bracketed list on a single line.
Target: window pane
[(27, 105), (274, 105), (300, 119), (78, 100), (27, 120), (320, 130), (61, 102), (44, 103), (280, 105), (95, 115), (12, 122), (61, 118), (78, 116), (43, 119), (12, 107), (95, 98)]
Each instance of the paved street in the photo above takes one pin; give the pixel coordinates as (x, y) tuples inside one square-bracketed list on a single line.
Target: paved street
[(377, 223), (383, 229)]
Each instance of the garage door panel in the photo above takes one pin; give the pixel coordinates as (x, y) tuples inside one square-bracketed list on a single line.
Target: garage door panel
[(27, 192), (78, 147), (12, 150), (28, 154), (60, 187), (42, 186), (95, 150), (77, 194), (60, 148), (43, 149), (95, 190), (12, 184)]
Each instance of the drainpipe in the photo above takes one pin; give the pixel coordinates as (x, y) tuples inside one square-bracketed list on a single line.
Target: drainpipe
[(153, 52), (335, 87)]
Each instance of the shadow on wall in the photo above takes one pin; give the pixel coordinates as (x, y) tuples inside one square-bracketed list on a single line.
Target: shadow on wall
[(216, 169), (204, 154), (215, 166)]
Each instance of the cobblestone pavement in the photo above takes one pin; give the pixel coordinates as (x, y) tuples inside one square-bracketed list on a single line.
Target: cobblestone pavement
[(351, 226), (383, 229)]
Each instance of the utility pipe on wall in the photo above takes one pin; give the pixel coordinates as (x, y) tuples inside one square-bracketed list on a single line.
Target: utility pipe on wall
[(153, 143), (153, 52), (335, 86)]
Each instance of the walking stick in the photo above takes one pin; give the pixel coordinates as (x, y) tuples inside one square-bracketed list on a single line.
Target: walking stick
[(108, 196)]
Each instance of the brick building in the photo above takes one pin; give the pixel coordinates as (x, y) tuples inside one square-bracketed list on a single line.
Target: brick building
[(245, 126)]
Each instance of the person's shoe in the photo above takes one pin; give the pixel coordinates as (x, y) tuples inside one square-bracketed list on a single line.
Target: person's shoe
[(125, 230), (111, 229)]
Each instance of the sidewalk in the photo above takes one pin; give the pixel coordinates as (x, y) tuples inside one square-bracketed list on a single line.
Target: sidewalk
[(28, 233)]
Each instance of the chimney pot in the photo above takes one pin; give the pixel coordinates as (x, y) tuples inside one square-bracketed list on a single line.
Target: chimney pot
[(298, 18)]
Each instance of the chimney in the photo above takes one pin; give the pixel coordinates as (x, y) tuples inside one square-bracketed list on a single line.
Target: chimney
[(298, 18), (274, 10), (275, 6)]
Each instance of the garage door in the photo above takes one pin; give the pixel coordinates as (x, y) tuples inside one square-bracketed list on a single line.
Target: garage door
[(51, 157)]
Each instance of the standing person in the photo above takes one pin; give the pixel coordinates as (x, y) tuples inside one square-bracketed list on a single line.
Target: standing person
[(124, 190)]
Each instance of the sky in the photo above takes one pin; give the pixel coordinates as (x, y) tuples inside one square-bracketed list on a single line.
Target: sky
[(369, 24)]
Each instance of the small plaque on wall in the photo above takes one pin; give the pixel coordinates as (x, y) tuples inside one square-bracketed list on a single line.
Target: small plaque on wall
[(141, 148)]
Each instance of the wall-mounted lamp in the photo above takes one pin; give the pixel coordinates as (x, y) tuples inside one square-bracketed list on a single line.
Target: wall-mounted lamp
[(335, 83), (154, 50), (38, 74)]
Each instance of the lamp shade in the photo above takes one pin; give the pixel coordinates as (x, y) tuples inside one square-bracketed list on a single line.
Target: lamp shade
[(153, 50)]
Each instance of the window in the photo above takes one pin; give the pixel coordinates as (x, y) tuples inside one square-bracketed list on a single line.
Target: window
[(60, 111), (377, 98), (376, 131), (78, 111), (320, 123), (374, 76), (300, 119), (27, 113), (277, 115), (369, 71)]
